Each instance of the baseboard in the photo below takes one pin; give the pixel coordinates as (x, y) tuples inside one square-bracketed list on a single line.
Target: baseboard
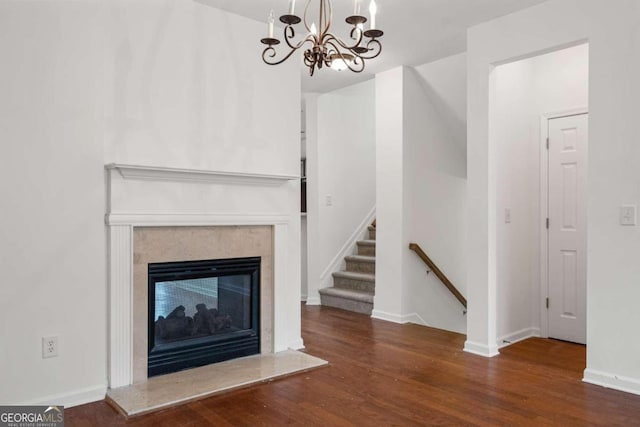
[(413, 318), (347, 249), (75, 398), (480, 349), (399, 318), (613, 381), (303, 298), (313, 300), (514, 337), (388, 317), (297, 344)]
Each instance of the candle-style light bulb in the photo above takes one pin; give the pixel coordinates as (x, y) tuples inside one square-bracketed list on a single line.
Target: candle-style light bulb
[(314, 30), (270, 21), (292, 6), (356, 7), (373, 9)]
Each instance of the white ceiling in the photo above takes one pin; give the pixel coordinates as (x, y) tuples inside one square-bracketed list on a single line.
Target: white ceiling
[(416, 31)]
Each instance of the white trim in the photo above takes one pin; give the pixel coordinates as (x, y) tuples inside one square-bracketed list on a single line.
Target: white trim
[(346, 249), (388, 317), (280, 280), (141, 219), (480, 349), (517, 336), (298, 344), (544, 235), (120, 350), (157, 173), (313, 300), (613, 381), (414, 318), (544, 210), (74, 398), (399, 318)]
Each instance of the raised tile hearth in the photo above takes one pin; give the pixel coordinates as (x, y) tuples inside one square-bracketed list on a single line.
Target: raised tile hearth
[(198, 383)]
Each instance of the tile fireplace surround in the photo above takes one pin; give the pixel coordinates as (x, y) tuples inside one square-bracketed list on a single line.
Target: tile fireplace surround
[(167, 244), (160, 214)]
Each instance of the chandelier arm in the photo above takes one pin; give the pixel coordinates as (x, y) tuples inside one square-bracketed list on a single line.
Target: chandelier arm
[(355, 61), (374, 46), (310, 61), (346, 62), (328, 16), (270, 52), (289, 33), (360, 36), (304, 17), (331, 38), (289, 37)]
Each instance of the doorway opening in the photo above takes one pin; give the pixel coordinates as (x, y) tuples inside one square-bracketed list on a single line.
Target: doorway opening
[(541, 273)]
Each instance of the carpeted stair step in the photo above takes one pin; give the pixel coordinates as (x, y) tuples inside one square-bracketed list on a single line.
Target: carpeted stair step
[(361, 264), (372, 232), (347, 299), (367, 247), (354, 281)]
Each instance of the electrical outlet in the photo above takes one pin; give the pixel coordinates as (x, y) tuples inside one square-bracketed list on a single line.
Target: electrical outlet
[(329, 200), (49, 347)]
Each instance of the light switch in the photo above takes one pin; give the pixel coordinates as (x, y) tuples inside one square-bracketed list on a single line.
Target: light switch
[(628, 215), (507, 216)]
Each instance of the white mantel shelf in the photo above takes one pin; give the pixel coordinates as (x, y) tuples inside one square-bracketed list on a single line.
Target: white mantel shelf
[(157, 173)]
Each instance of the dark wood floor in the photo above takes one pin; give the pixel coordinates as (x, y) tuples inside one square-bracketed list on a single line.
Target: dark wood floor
[(387, 374)]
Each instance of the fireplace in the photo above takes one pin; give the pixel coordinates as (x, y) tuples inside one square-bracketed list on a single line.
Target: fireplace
[(164, 215), (202, 312)]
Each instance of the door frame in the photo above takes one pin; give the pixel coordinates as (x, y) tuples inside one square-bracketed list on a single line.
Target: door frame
[(544, 210)]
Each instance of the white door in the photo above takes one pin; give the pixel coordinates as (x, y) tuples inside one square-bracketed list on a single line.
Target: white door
[(567, 228)]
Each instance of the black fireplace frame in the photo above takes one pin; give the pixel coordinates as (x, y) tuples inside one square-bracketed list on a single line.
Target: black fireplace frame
[(176, 356)]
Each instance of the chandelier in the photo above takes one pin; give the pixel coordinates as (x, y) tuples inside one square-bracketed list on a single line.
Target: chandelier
[(324, 48)]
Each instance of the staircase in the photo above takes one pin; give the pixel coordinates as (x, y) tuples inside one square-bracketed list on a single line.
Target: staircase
[(354, 288)]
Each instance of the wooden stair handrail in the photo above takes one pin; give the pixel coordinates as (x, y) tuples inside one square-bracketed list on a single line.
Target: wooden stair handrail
[(423, 256)]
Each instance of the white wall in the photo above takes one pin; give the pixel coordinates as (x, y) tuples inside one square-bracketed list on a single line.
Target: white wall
[(444, 83), (526, 90), (52, 241), (421, 192), (435, 188), (391, 249), (344, 170), (518, 169), (186, 87), (613, 31), (169, 83)]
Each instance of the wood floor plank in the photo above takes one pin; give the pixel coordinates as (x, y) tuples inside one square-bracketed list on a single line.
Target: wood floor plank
[(406, 375)]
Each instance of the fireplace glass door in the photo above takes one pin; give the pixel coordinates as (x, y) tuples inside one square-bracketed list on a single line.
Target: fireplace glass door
[(202, 312)]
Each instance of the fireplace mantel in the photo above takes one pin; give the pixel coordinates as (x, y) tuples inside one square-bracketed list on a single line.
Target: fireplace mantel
[(157, 173), (150, 196)]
